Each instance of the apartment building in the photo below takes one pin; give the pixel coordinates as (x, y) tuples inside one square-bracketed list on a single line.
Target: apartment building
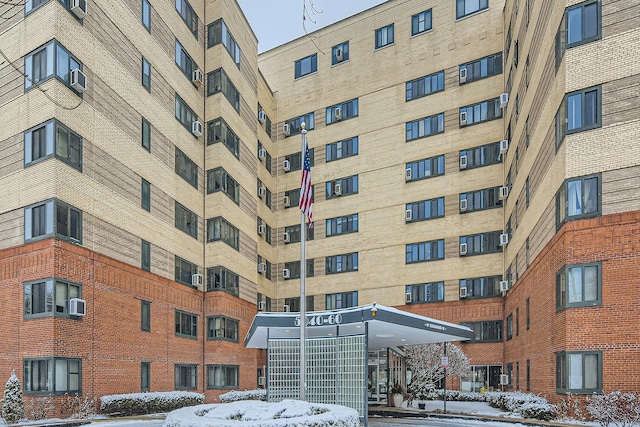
[(473, 161)]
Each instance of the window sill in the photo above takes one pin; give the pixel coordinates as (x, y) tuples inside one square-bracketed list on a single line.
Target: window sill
[(462, 18)]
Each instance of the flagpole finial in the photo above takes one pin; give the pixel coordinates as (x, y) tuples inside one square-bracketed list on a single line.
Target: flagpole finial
[(303, 126)]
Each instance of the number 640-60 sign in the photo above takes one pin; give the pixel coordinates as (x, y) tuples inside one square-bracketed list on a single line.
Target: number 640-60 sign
[(330, 319)]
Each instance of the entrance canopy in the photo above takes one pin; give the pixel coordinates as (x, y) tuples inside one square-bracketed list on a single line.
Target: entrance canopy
[(384, 326)]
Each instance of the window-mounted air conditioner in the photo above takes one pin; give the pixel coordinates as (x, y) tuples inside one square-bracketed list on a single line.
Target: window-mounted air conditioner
[(463, 293), (463, 75), (337, 113), (286, 237), (463, 205), (286, 308), (408, 215), (262, 306), (262, 267), (77, 307), (286, 165), (262, 229), (463, 248), (504, 379), (407, 298), (262, 380), (337, 189), (504, 285), (286, 129), (262, 154), (504, 146), (196, 280), (463, 162), (339, 54), (504, 192), (504, 100), (79, 8), (286, 273), (262, 191), (262, 116), (196, 128), (286, 201), (408, 174), (197, 77), (78, 80), (504, 239), (463, 118)]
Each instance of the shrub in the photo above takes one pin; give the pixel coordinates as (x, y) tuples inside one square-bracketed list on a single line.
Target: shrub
[(615, 408), (79, 408), (12, 402), (235, 396), (538, 411), (148, 403), (39, 408)]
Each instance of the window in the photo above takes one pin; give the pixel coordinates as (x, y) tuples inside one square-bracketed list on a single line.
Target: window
[(346, 186), (295, 125), (186, 377), (186, 220), (145, 377), (528, 360), (219, 33), (421, 22), (49, 61), (527, 192), (583, 110), (426, 209), (218, 81), (295, 235), (267, 263), (52, 218), (219, 179), (220, 376), (295, 160), (145, 258), (426, 292), (268, 159), (483, 155), (468, 7), (341, 149), (583, 23), (188, 16), (184, 270), (294, 304), (480, 200), (294, 269), (52, 375), (425, 168), (145, 316), (424, 127), (341, 263), (481, 68), (482, 243), (306, 66), (222, 328), (517, 320), (186, 168), (343, 111), (146, 16), (579, 372), (424, 251), (184, 113), (265, 300), (384, 36), (146, 134), (184, 61), (340, 53), (49, 297), (342, 225), (146, 196), (30, 5), (186, 324), (578, 198), (481, 112), (579, 286), (424, 86), (219, 229), (488, 331), (509, 327), (219, 131), (53, 139), (482, 287), (146, 74), (341, 300), (266, 195), (264, 230), (222, 279)]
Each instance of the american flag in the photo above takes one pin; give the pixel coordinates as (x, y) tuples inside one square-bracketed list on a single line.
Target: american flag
[(306, 190)]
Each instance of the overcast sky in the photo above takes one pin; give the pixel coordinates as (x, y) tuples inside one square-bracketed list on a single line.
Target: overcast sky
[(278, 21)]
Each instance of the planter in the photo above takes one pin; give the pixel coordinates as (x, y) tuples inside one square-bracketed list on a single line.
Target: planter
[(397, 400)]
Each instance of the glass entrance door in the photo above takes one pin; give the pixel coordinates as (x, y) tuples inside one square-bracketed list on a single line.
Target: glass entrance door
[(377, 368)]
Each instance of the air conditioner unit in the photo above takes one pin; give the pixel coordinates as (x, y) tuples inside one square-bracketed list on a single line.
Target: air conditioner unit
[(463, 118), (262, 191), (504, 285), (408, 215), (504, 379), (197, 77), (79, 8), (504, 192), (504, 239), (463, 75), (78, 80), (408, 174), (337, 189), (286, 129), (262, 267), (196, 128), (196, 280), (286, 165), (77, 307), (407, 298), (262, 306), (463, 293), (262, 116), (504, 100), (286, 308), (262, 229), (262, 380), (286, 237), (463, 162), (339, 54), (463, 205), (504, 146), (337, 113), (262, 154), (286, 201), (286, 273), (463, 248)]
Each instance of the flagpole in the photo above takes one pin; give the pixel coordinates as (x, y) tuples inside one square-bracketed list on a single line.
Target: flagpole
[(303, 278)]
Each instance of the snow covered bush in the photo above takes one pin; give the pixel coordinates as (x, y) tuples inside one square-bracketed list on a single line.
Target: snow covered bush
[(79, 408), (12, 402), (39, 408), (615, 408), (148, 403), (234, 396), (526, 404), (538, 411), (569, 408), (253, 413)]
